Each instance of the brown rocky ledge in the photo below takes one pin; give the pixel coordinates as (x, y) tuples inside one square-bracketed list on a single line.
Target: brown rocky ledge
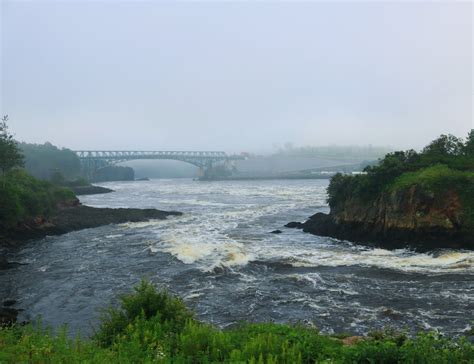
[(408, 218)]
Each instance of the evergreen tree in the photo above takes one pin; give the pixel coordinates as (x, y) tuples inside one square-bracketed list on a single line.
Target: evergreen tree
[(469, 145), (10, 155)]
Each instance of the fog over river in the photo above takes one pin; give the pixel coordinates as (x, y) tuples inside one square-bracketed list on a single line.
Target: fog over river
[(221, 259)]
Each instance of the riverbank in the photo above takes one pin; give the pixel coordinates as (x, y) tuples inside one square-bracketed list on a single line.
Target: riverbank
[(89, 190), (76, 216), (66, 219), (369, 234)]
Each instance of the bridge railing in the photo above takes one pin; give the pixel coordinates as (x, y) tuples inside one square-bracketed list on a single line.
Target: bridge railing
[(113, 154)]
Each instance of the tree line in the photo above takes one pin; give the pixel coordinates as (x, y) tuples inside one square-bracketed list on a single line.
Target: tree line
[(449, 151)]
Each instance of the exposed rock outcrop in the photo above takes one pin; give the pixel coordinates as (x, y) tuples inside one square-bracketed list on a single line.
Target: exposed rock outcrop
[(90, 190), (407, 217), (71, 216)]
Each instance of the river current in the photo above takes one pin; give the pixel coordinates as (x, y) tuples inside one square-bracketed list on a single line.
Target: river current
[(221, 258)]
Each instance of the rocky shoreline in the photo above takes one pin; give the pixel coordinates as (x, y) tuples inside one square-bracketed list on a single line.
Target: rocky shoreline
[(67, 218), (409, 216), (89, 190), (77, 217), (421, 240), (71, 217)]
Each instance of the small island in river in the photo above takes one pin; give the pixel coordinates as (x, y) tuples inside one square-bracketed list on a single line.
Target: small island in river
[(419, 200)]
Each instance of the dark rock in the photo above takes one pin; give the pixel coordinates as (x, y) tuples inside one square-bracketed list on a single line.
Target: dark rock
[(392, 314), (8, 316), (8, 303), (294, 225), (90, 190), (142, 179), (276, 232), (84, 217), (5, 264), (74, 218), (372, 234)]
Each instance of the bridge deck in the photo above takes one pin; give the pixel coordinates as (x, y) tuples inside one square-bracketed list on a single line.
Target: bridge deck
[(111, 154)]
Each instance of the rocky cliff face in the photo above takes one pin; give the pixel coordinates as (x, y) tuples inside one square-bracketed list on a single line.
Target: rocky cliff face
[(407, 217), (410, 209)]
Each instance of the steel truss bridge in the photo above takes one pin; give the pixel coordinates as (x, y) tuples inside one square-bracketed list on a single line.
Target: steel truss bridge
[(93, 160)]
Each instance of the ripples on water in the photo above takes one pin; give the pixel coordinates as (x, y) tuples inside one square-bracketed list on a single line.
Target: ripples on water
[(221, 258)]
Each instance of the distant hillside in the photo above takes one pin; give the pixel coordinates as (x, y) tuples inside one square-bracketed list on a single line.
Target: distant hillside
[(44, 160), (349, 152)]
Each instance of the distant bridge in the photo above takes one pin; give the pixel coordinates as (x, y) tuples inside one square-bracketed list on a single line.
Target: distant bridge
[(93, 160)]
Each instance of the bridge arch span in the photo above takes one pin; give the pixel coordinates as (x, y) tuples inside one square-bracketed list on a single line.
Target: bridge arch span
[(93, 160)]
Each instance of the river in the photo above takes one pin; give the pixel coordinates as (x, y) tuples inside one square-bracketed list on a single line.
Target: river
[(221, 258)]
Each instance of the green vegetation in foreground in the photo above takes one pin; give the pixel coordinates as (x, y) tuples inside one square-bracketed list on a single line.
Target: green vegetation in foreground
[(154, 327), (446, 164)]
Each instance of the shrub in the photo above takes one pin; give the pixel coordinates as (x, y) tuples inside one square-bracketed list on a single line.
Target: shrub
[(145, 303), (23, 197)]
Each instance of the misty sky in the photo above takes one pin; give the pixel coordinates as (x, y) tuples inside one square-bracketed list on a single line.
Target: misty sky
[(235, 76)]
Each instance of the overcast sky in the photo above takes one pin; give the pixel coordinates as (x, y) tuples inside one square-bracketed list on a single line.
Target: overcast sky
[(235, 76)]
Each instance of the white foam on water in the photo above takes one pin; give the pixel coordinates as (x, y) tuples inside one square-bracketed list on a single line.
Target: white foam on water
[(206, 255), (218, 231), (189, 252), (450, 261), (142, 224), (193, 295), (313, 278), (337, 254), (227, 224)]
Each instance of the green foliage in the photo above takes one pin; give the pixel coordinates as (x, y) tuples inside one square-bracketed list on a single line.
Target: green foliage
[(57, 178), (426, 348), (468, 149), (44, 161), (445, 145), (443, 161), (10, 155), (35, 344), (23, 197), (339, 189), (154, 327), (145, 303), (435, 178)]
